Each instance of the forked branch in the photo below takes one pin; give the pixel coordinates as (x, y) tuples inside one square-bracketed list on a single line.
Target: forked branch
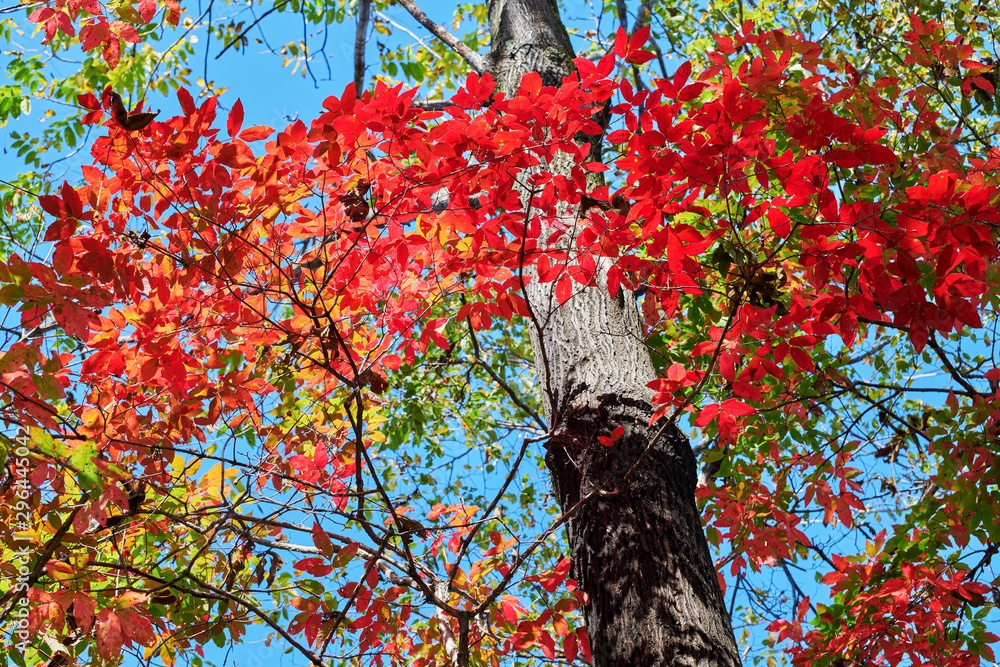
[(476, 61)]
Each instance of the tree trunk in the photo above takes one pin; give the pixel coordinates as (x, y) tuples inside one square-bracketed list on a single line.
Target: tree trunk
[(641, 554)]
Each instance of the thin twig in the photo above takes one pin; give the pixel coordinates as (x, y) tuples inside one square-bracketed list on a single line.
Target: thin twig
[(236, 40), (496, 378), (489, 510), (959, 378), (263, 615)]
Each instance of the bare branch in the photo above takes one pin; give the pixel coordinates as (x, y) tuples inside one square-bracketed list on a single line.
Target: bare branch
[(433, 105), (360, 38), (236, 40), (478, 62), (496, 378), (262, 615), (955, 373)]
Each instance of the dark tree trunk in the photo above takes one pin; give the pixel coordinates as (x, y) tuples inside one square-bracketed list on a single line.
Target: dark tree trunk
[(640, 555)]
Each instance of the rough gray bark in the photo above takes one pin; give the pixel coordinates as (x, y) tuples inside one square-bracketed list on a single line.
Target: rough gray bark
[(640, 554)]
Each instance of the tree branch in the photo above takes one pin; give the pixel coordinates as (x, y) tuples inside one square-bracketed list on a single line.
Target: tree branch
[(433, 105), (496, 378), (236, 40), (476, 61), (364, 11), (955, 373), (262, 615), (17, 592)]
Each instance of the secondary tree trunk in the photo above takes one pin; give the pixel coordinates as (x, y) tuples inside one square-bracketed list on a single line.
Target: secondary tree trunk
[(641, 555)]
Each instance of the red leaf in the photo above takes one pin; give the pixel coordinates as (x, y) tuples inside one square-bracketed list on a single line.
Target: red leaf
[(74, 319), (72, 199), (844, 514), (547, 644), (570, 647), (638, 38), (564, 290), (345, 554), (137, 627), (779, 222), (126, 31), (919, 335), (314, 566), (256, 133), (706, 415), (659, 412), (112, 52), (607, 65), (619, 136), (682, 74), (147, 10), (737, 408), (676, 372), (584, 67), (725, 44), (322, 540), (966, 312), (65, 24), (320, 457), (41, 15), (584, 641), (510, 609), (802, 359), (621, 43), (52, 205), (614, 281), (982, 84), (691, 92), (531, 84), (876, 154), (109, 635), (187, 102), (235, 119), (849, 327), (88, 101), (640, 57), (83, 611)]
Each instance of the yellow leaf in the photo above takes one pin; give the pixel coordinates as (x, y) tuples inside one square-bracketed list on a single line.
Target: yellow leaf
[(167, 654), (131, 599)]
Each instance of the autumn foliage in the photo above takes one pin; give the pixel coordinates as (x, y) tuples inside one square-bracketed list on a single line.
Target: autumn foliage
[(778, 213)]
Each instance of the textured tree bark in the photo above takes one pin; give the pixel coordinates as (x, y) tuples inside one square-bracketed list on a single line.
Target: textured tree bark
[(640, 554)]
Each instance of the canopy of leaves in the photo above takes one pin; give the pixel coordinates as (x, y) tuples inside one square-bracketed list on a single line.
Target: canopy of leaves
[(282, 377)]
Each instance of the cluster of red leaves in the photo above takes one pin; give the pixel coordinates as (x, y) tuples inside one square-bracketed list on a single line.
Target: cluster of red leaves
[(96, 30), (113, 629), (891, 608)]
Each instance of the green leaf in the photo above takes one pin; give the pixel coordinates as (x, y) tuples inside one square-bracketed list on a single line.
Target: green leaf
[(82, 459)]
